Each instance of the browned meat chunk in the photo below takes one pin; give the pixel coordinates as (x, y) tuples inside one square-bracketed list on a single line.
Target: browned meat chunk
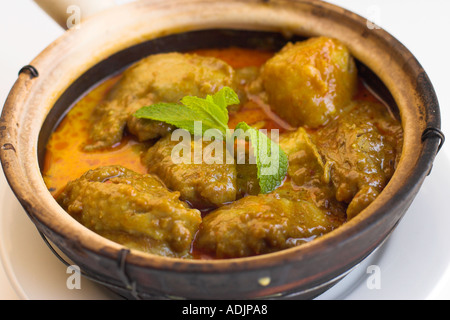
[(362, 149), (132, 209), (202, 184), (260, 224), (166, 77)]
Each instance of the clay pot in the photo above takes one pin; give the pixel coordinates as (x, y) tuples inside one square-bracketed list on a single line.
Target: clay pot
[(108, 42)]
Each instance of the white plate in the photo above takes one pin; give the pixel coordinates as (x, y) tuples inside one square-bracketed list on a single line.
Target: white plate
[(412, 264)]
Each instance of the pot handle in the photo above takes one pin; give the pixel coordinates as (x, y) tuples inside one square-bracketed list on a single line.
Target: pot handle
[(68, 13)]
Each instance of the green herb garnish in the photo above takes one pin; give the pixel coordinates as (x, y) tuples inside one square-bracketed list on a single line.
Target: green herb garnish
[(212, 111), (271, 161)]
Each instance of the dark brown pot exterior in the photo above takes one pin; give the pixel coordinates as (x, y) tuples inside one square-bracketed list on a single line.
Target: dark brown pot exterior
[(35, 105)]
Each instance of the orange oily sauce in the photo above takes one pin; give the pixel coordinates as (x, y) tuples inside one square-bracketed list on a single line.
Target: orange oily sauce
[(65, 159)]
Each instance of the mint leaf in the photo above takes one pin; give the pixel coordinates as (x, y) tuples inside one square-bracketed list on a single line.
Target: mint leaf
[(180, 116), (212, 111), (224, 98), (208, 112), (271, 161)]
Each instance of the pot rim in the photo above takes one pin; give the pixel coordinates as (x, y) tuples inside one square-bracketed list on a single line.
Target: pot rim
[(22, 170)]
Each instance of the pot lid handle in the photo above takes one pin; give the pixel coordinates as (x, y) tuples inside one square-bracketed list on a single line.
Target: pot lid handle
[(69, 13)]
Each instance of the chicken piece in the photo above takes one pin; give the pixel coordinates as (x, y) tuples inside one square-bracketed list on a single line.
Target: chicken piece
[(260, 224), (308, 176), (145, 129), (200, 182), (166, 77), (306, 165), (307, 83), (362, 148), (247, 180), (135, 210)]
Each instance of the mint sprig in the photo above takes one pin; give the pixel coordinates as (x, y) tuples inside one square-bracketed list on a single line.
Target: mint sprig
[(212, 111), (271, 161)]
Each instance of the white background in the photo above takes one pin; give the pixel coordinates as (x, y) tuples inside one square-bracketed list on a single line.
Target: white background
[(423, 26)]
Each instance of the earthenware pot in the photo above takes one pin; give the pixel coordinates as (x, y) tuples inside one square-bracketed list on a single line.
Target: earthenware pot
[(108, 42)]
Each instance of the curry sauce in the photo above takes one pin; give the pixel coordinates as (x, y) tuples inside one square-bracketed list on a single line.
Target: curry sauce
[(336, 168), (65, 159)]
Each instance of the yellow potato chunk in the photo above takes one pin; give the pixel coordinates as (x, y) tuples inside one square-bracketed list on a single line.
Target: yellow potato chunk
[(308, 82)]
